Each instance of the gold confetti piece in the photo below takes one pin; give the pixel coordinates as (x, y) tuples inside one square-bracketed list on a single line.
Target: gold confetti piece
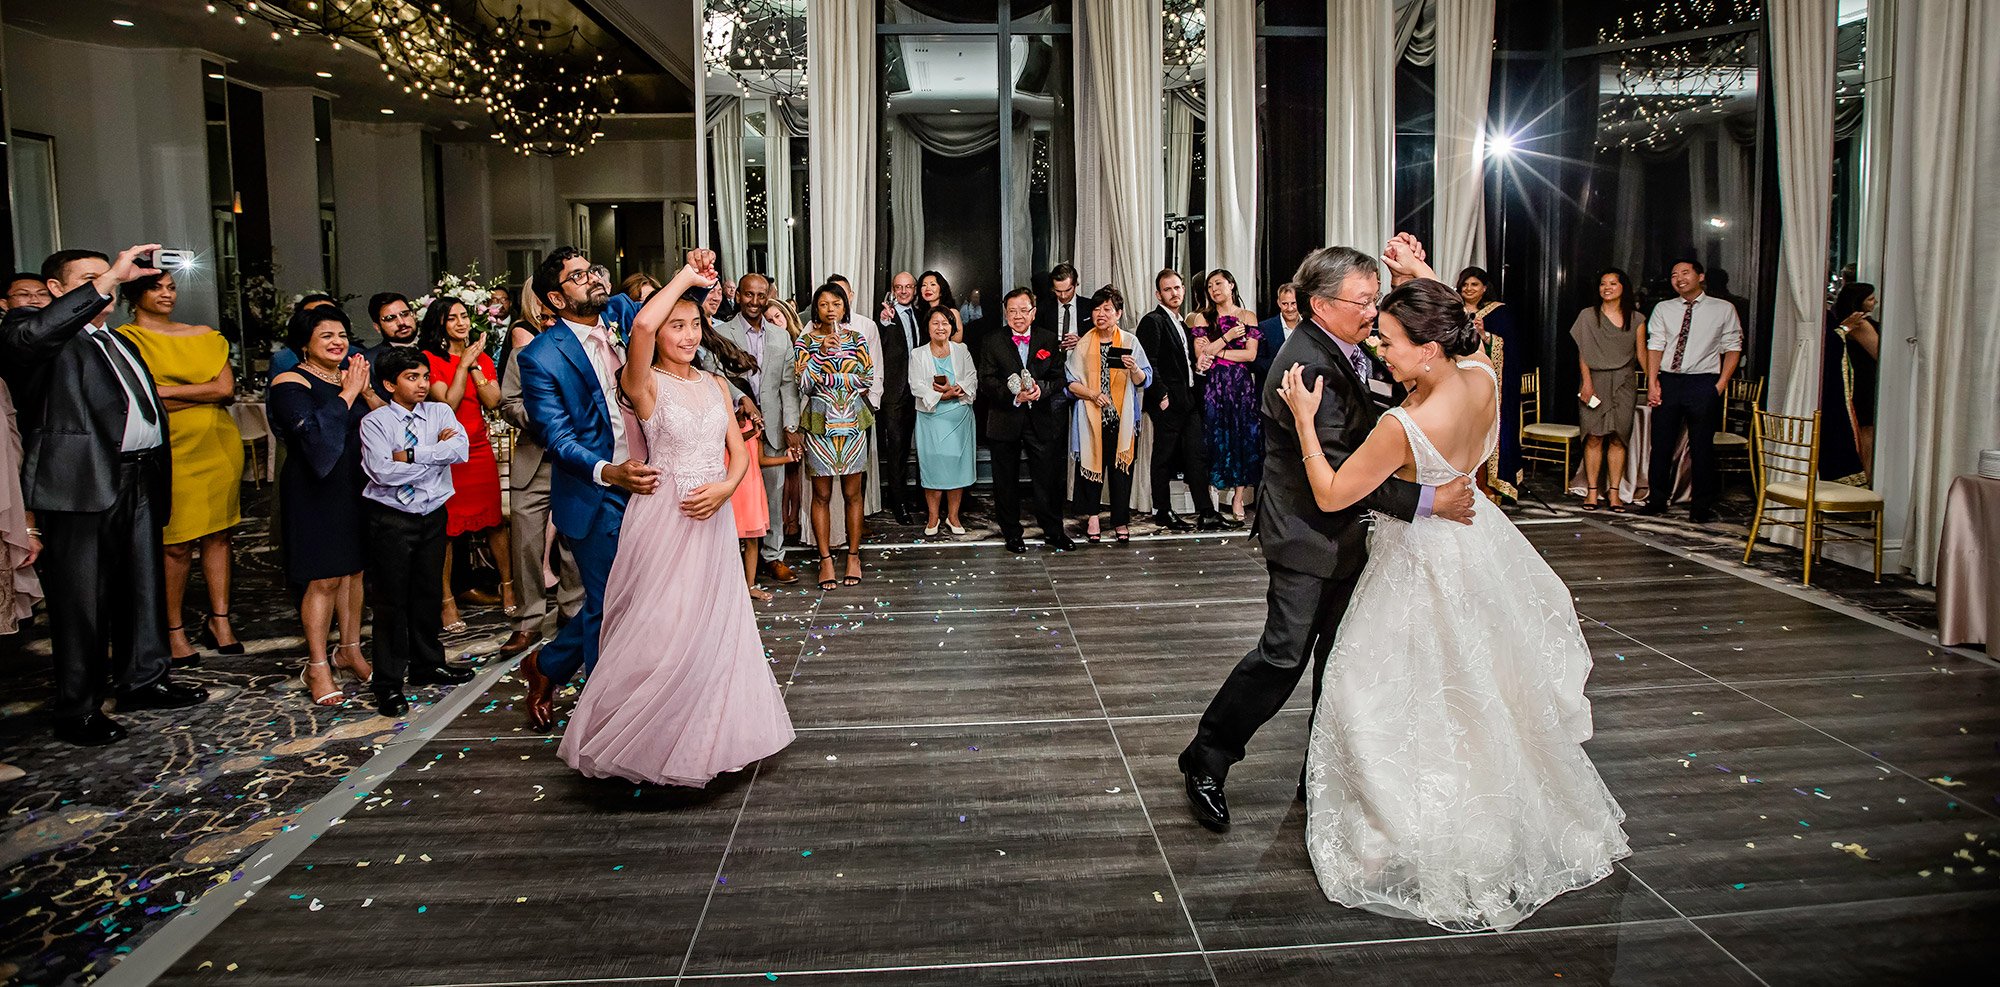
[(1971, 837), (425, 857), (1156, 897), (1965, 855), (400, 856), (519, 900), (205, 964), (231, 967), (1946, 782), (1857, 695), (1854, 848), (361, 863), (1697, 713), (1923, 873)]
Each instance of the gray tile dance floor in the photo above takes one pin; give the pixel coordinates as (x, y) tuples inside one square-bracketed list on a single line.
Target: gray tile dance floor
[(983, 792)]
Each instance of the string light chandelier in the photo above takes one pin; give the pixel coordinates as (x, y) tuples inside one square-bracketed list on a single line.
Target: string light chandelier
[(545, 91), (1663, 89), (759, 43)]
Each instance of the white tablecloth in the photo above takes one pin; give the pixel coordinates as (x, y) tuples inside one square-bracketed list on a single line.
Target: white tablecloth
[(1633, 486)]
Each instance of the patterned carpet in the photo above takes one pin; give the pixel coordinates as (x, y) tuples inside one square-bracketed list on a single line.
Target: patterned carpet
[(103, 845)]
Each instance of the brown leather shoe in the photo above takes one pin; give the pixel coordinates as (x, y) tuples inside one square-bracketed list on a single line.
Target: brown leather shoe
[(521, 641), (541, 693), (781, 573)]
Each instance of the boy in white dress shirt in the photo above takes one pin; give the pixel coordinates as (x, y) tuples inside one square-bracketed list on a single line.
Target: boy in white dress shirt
[(408, 447)]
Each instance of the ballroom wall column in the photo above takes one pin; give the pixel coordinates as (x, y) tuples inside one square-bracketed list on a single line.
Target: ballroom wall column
[(1940, 397), (1360, 123), (1123, 58), (1801, 39), (1464, 77), (841, 168), (1232, 140)]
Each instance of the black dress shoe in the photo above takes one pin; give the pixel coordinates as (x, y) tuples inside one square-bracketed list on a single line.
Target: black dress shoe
[(1167, 520), (1210, 522), (391, 703), (89, 730), (1016, 545), (440, 675), (1204, 794), (1701, 515), (163, 694), (1061, 543), (902, 515), (1652, 509)]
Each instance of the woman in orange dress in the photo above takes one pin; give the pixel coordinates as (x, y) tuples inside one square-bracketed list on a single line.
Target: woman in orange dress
[(462, 377)]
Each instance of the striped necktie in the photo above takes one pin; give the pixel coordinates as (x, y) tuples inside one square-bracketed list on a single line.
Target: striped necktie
[(1681, 344), (408, 491)]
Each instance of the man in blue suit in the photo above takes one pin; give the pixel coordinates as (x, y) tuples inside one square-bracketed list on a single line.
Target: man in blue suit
[(569, 387), (1274, 330)]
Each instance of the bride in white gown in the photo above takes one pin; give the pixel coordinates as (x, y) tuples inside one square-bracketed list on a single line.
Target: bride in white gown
[(1445, 776)]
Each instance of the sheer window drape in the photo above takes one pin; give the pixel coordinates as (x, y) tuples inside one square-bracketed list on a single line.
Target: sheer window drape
[(1464, 76)]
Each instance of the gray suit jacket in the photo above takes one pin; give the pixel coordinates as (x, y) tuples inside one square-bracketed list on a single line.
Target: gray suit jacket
[(777, 381), (527, 452)]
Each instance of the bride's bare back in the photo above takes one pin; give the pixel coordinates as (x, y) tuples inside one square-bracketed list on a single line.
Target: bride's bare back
[(1457, 415)]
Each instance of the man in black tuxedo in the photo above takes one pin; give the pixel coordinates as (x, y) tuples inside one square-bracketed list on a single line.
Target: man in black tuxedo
[(95, 470), (896, 420), (1174, 404), (1064, 313), (1024, 417), (1313, 558)]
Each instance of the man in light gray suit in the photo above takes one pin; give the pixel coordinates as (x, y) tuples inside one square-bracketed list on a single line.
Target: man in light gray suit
[(529, 475), (776, 384)]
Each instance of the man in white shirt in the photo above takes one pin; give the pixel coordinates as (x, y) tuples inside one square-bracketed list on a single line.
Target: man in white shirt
[(97, 471), (1693, 343), (1174, 409), (776, 383)]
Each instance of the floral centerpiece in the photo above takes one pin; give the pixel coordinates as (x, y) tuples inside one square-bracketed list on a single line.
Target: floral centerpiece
[(482, 301)]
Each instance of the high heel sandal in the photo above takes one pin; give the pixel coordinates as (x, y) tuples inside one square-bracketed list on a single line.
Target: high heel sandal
[(351, 671), (828, 584), (193, 657), (334, 698), (1590, 505), (854, 554), (1091, 532), (214, 640), (507, 590), (1124, 536)]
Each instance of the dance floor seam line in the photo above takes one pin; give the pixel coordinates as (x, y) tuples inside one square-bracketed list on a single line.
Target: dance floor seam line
[(1917, 777), (1138, 794), (1636, 876)]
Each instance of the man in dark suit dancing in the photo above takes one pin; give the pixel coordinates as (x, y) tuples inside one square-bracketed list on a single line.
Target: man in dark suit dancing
[(1020, 373), (1314, 558), (95, 470), (1174, 404)]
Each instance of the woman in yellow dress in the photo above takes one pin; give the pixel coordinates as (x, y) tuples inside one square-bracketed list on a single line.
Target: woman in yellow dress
[(190, 366)]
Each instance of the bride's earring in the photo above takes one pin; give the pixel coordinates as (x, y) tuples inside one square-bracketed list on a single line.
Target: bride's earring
[(1427, 368)]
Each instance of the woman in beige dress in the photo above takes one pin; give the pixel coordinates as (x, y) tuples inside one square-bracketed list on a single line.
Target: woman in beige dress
[(1610, 343), (20, 543)]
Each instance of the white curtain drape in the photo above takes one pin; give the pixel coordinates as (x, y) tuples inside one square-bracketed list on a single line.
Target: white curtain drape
[(906, 199), (1360, 123), (840, 164), (1124, 63), (841, 146), (1020, 217), (778, 197), (1416, 31), (725, 131), (1232, 140), (1878, 80), (1180, 175), (1943, 222), (1801, 42), (1464, 75)]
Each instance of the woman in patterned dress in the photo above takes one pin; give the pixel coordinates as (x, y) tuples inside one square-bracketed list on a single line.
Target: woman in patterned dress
[(1227, 339), (835, 374)]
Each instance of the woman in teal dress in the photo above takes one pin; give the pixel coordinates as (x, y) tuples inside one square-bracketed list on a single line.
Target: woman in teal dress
[(943, 381)]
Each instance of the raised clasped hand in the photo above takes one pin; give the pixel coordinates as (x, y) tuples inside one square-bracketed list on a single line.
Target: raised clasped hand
[(701, 265)]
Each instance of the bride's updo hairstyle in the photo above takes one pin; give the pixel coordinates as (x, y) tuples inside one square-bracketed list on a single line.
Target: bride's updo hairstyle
[(1431, 312)]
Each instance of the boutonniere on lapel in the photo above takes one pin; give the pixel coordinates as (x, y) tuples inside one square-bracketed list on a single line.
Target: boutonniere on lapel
[(617, 335), (1373, 344)]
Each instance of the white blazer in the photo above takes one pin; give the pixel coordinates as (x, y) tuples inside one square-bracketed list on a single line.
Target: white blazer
[(963, 373)]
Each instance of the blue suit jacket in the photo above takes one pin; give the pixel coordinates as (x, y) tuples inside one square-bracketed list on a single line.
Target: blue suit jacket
[(1273, 329), (568, 415)]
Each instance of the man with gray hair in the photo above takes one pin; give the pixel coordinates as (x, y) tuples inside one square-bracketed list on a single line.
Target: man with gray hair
[(1314, 558)]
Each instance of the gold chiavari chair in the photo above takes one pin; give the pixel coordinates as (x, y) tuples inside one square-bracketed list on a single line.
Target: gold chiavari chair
[(1544, 442), (1785, 457)]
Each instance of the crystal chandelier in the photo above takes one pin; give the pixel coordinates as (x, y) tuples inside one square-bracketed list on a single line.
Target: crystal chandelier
[(546, 92)]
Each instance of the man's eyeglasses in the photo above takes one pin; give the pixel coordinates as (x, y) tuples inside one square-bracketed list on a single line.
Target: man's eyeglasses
[(1374, 303), (582, 277)]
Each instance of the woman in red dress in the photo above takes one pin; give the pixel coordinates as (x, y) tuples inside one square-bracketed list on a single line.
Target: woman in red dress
[(470, 388)]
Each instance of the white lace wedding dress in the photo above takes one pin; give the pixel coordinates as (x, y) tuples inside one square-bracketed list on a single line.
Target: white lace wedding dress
[(1445, 779)]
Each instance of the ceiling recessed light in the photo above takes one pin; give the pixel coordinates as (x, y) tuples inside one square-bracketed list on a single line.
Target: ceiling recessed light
[(121, 22), (387, 110), (215, 75), (324, 75)]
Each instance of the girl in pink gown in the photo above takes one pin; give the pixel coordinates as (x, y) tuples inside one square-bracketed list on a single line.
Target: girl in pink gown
[(681, 691)]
